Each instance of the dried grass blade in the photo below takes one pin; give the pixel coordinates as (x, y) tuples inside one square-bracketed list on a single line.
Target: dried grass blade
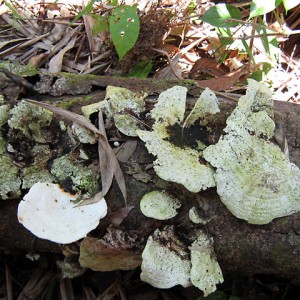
[(112, 164), (69, 116)]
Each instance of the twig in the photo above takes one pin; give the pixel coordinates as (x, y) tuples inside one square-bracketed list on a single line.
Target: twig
[(9, 292)]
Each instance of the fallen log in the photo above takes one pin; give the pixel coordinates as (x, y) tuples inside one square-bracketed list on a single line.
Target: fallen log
[(241, 248)]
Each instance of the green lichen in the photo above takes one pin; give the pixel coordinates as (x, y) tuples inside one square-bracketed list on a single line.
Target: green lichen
[(69, 102), (37, 172), (4, 114), (91, 108), (9, 178), (30, 120), (255, 180), (82, 178), (16, 68), (206, 104), (124, 105), (175, 164), (170, 106), (84, 135), (196, 217), (34, 174), (2, 144), (168, 262)]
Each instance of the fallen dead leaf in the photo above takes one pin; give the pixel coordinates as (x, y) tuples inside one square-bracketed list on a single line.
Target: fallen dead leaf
[(224, 82), (117, 217), (56, 61), (208, 66), (125, 151)]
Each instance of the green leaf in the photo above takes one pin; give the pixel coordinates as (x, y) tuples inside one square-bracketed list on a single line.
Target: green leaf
[(124, 26), (13, 11), (225, 36), (257, 75), (101, 24), (141, 69), (288, 4), (261, 7), (270, 43), (248, 50), (218, 15), (113, 2), (87, 10)]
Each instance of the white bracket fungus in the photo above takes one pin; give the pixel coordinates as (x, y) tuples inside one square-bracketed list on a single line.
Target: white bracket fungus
[(159, 205), (255, 180), (174, 163), (168, 262), (163, 267), (49, 213), (205, 272)]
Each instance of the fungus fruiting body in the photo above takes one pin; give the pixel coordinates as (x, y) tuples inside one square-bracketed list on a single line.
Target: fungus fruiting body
[(255, 179), (178, 163), (205, 272), (49, 213), (159, 205), (163, 267)]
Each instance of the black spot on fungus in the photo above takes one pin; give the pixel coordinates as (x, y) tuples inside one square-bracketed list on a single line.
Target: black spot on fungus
[(187, 137)]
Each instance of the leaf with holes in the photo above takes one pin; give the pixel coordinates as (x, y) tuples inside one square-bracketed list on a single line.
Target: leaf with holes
[(124, 26)]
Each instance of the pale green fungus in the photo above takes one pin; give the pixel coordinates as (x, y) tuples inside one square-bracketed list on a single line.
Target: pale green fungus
[(255, 180), (205, 272), (174, 163), (159, 205)]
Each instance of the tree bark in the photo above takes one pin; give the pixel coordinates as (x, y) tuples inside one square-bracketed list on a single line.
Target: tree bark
[(241, 248)]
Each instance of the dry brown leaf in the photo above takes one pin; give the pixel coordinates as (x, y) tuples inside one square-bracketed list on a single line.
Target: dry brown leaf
[(89, 23), (37, 60), (55, 63), (125, 151), (208, 66), (105, 159), (173, 70), (109, 165), (88, 293), (38, 282), (117, 217), (224, 82), (63, 42)]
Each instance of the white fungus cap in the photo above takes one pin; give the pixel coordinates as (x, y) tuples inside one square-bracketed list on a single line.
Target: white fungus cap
[(48, 212)]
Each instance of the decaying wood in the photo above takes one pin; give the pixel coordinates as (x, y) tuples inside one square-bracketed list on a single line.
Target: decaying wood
[(241, 248)]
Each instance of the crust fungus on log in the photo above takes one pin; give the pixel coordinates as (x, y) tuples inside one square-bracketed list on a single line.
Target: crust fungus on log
[(240, 247)]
